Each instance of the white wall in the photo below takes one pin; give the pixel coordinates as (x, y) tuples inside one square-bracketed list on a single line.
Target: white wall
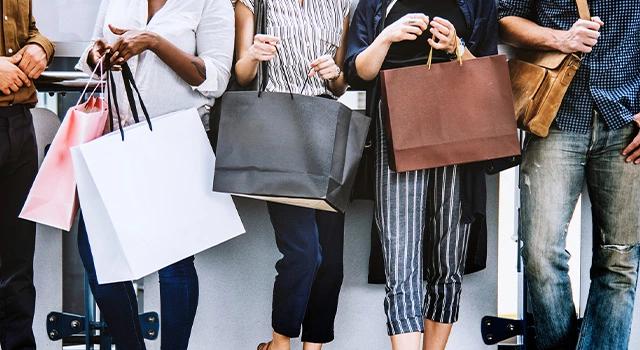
[(236, 281)]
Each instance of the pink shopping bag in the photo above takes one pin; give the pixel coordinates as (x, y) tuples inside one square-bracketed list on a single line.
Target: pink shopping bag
[(53, 200)]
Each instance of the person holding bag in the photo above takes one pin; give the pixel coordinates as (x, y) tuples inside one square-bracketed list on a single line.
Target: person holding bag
[(305, 40), (180, 53), (592, 138), (401, 33)]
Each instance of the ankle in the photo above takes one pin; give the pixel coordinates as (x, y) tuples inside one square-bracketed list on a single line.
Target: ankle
[(280, 342)]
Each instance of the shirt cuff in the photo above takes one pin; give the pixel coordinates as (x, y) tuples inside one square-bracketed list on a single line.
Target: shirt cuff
[(84, 67), (212, 86), (45, 44)]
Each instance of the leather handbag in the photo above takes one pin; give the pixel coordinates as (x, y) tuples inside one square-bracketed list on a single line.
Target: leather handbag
[(539, 81)]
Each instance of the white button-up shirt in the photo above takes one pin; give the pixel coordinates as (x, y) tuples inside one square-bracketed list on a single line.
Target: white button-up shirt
[(201, 27)]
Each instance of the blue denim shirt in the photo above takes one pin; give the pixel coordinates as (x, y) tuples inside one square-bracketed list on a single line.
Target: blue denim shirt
[(609, 78), (481, 17)]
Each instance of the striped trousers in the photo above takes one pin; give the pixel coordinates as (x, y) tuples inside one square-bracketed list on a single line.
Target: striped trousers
[(412, 206)]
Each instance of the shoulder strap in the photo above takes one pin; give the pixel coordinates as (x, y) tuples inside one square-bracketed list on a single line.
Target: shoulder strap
[(583, 10)]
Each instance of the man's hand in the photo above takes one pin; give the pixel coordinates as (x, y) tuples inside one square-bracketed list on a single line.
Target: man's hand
[(582, 36), (11, 77), (34, 60), (632, 152)]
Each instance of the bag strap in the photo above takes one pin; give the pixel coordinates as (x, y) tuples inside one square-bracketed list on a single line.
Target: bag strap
[(112, 99), (583, 10)]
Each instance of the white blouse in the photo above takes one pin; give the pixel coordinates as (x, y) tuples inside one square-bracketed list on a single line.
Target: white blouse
[(201, 27)]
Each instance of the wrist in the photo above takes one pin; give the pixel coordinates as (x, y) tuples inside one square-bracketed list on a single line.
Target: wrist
[(559, 41), (152, 40)]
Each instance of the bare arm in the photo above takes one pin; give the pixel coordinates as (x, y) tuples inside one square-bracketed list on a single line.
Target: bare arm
[(521, 32), (339, 85), (251, 49), (409, 27), (133, 42)]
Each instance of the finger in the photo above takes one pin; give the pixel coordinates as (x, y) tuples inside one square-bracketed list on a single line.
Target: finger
[(6, 91), (33, 72), (320, 60), (419, 17), (117, 31), (114, 58), (409, 36), (412, 30), (265, 58), (590, 42), (598, 20), (326, 64), (589, 24), (15, 59), (591, 34), (14, 88), (418, 20), (445, 23), (23, 78), (441, 37), (267, 39), (440, 27), (435, 45), (634, 145), (265, 48), (585, 49), (634, 157), (327, 72), (36, 72), (25, 63)]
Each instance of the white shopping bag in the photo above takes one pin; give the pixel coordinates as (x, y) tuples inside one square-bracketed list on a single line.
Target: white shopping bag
[(147, 201)]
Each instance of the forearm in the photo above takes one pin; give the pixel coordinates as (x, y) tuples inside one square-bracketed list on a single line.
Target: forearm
[(189, 67), (521, 32), (246, 70), (369, 61)]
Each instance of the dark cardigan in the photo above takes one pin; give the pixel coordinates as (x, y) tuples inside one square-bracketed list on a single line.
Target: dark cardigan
[(481, 18)]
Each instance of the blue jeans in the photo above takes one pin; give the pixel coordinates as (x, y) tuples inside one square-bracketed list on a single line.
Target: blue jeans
[(554, 171), (117, 301), (310, 273)]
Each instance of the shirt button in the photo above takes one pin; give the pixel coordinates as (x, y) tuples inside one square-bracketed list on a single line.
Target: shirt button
[(10, 50), (6, 18)]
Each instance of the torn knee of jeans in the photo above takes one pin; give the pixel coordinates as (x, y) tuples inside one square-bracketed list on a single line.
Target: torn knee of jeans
[(620, 248)]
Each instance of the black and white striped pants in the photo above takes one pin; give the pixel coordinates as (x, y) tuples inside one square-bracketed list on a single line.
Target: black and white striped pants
[(410, 207)]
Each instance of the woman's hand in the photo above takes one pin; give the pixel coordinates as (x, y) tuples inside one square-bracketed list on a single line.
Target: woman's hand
[(130, 43), (264, 47), (99, 49), (445, 32), (409, 27), (326, 68)]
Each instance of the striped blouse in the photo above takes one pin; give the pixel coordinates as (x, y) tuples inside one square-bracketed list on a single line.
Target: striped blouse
[(307, 31)]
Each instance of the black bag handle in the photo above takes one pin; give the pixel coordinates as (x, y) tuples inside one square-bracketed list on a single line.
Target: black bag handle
[(129, 82), (263, 71)]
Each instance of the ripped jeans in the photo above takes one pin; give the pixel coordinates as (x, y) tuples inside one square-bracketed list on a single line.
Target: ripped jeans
[(554, 171)]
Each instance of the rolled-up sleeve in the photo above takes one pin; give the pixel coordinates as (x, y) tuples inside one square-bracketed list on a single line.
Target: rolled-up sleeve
[(98, 29), (214, 45), (35, 37), (519, 8), (360, 37)]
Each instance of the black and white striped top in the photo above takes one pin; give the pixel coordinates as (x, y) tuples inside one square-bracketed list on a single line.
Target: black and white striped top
[(307, 31)]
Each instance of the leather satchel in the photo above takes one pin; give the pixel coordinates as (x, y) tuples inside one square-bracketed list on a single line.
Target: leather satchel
[(539, 81)]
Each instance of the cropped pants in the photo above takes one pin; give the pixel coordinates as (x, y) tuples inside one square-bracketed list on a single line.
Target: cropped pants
[(408, 204)]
